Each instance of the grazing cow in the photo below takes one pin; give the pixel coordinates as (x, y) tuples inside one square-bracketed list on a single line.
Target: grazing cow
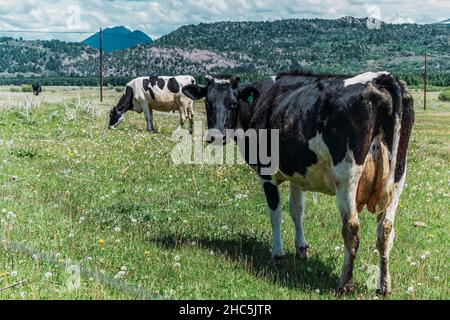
[(339, 135), (146, 94), (37, 89)]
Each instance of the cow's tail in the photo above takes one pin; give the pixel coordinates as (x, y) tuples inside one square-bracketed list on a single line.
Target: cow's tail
[(392, 123)]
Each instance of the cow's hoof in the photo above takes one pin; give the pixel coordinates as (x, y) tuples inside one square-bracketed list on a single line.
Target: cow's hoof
[(383, 292), (347, 288), (301, 253), (278, 261)]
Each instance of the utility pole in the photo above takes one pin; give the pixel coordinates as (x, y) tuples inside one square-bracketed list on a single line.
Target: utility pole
[(425, 80), (101, 67)]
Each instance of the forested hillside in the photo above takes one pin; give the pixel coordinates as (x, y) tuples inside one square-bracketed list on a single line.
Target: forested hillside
[(252, 49)]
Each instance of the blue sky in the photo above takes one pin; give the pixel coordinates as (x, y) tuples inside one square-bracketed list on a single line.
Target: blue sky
[(159, 17)]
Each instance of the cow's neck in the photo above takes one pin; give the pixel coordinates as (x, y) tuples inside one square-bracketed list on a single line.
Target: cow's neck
[(245, 113)]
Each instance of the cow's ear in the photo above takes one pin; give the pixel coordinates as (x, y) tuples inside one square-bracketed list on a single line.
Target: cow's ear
[(194, 92), (209, 79), (249, 94), (235, 82)]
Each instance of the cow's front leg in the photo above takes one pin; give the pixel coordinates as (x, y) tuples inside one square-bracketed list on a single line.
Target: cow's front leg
[(347, 178), (149, 117), (273, 201), (297, 210), (385, 238)]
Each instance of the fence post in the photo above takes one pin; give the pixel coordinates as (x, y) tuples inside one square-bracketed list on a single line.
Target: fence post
[(101, 67), (425, 80)]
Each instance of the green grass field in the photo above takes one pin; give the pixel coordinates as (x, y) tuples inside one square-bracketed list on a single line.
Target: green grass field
[(113, 203)]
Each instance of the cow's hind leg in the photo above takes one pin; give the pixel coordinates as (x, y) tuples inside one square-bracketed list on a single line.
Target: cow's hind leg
[(183, 116), (190, 112), (297, 210), (148, 112), (347, 176), (385, 238), (274, 205)]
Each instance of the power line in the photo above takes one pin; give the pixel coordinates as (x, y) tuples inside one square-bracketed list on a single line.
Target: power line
[(44, 31), (68, 32)]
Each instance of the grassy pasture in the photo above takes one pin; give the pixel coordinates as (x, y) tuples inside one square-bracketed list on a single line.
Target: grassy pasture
[(113, 203)]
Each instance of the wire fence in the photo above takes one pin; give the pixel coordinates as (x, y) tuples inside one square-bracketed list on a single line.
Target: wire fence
[(75, 271)]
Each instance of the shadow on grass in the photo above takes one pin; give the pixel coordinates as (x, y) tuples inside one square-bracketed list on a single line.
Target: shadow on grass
[(254, 257)]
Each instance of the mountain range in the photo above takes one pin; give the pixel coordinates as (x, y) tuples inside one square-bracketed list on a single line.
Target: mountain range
[(251, 49), (117, 38), (444, 22)]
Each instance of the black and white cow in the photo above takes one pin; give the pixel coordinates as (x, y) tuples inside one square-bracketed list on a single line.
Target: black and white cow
[(146, 94), (339, 135), (36, 88)]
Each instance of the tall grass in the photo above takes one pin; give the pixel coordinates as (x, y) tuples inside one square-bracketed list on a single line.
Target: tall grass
[(444, 96)]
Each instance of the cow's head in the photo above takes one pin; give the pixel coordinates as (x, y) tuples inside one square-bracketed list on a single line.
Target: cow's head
[(222, 100), (125, 103), (115, 117)]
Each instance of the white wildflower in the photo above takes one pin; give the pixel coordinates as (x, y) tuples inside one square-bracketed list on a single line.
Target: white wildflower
[(410, 290)]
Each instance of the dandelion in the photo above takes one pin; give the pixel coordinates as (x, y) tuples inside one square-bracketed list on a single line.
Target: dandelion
[(101, 242), (317, 291), (436, 278), (410, 290), (3, 210), (71, 235), (117, 229), (120, 274), (177, 265), (23, 295), (133, 220), (225, 228), (146, 253), (11, 215), (211, 252), (409, 259), (89, 258), (123, 268), (177, 258), (48, 275), (117, 241), (13, 273), (82, 219)]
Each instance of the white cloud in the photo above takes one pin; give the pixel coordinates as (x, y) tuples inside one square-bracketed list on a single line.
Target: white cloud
[(159, 17)]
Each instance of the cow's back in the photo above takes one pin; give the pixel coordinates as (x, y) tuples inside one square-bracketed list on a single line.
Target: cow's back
[(162, 93)]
